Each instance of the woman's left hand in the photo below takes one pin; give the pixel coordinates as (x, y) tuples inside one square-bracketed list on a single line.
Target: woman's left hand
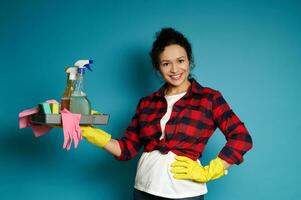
[(188, 169)]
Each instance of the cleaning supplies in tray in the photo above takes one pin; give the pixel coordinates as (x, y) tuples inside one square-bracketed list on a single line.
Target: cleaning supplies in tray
[(75, 109), (74, 99)]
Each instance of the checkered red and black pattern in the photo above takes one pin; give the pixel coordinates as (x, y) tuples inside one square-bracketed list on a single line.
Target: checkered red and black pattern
[(193, 120)]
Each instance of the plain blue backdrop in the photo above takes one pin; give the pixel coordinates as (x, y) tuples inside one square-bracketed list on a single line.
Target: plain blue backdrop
[(248, 50)]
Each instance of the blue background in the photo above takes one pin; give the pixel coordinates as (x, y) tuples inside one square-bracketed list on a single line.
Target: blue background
[(249, 50)]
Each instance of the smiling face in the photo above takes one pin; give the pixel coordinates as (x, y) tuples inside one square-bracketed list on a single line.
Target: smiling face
[(174, 68)]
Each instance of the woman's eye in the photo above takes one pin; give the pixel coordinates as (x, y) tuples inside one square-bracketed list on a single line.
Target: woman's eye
[(181, 61), (165, 64)]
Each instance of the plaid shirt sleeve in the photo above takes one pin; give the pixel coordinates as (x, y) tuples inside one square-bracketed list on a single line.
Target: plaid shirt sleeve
[(130, 143), (238, 138)]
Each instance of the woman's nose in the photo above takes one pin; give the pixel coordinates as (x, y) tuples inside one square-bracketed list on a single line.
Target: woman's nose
[(174, 67)]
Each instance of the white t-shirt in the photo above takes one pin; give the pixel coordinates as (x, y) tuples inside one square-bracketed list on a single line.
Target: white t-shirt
[(153, 171)]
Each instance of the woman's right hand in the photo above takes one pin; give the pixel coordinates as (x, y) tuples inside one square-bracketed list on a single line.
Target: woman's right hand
[(95, 136)]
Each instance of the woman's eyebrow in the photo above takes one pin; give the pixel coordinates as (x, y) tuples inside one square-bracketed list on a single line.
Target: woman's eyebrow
[(165, 60)]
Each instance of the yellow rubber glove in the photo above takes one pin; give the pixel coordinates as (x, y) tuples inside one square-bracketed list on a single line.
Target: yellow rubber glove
[(187, 169), (95, 136)]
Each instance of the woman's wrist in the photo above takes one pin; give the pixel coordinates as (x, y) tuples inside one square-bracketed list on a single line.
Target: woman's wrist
[(226, 164), (113, 147)]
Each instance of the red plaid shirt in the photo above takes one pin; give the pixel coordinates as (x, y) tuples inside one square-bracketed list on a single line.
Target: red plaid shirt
[(193, 120)]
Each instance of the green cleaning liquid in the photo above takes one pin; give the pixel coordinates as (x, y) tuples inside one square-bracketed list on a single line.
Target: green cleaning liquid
[(80, 104)]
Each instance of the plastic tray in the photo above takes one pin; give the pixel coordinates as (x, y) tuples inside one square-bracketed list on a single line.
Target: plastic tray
[(55, 119)]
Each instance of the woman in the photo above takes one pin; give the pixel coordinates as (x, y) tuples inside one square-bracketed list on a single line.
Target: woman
[(173, 125)]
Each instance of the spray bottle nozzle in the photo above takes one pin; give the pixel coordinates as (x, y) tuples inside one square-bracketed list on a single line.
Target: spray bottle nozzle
[(82, 65)]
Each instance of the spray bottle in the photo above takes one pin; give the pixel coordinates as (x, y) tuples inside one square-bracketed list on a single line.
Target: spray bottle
[(71, 77), (79, 102)]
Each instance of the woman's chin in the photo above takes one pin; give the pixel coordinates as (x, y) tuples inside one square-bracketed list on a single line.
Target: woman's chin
[(176, 83)]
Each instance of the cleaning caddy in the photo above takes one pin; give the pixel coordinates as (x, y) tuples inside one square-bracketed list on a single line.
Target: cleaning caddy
[(75, 109)]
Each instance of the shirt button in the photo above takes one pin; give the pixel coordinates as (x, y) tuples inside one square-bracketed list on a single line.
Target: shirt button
[(163, 150)]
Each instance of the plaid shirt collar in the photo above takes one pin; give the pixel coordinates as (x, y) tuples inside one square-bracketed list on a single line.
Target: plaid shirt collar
[(195, 88)]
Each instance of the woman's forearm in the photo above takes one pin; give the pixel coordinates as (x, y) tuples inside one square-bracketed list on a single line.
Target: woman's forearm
[(113, 147)]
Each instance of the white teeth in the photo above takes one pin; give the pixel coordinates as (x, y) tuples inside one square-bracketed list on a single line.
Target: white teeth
[(176, 77)]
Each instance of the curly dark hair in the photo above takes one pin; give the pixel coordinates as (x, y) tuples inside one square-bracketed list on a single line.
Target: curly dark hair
[(166, 37)]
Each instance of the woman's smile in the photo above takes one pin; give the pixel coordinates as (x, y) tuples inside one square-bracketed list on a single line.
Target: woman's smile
[(176, 77)]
